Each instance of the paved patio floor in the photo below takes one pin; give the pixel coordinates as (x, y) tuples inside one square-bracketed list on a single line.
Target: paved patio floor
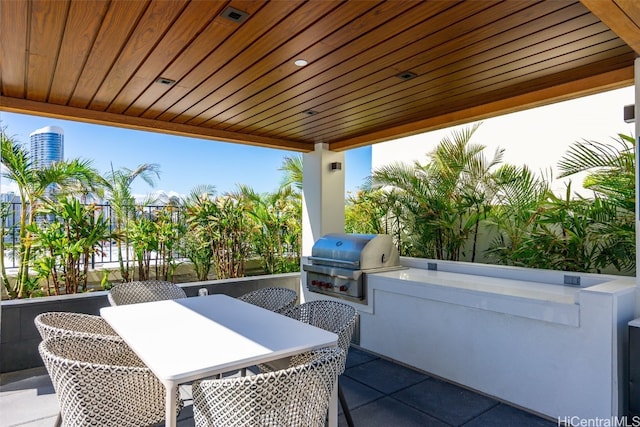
[(380, 393)]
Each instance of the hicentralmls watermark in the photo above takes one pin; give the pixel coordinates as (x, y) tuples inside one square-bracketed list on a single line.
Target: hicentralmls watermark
[(599, 422)]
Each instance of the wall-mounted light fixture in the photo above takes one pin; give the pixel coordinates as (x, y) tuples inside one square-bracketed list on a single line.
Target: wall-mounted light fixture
[(629, 113), (335, 166)]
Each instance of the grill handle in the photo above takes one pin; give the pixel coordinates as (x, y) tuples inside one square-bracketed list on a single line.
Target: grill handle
[(334, 261)]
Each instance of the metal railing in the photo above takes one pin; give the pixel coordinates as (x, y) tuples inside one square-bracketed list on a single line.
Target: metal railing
[(109, 252)]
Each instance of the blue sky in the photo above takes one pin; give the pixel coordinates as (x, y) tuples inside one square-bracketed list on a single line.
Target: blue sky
[(184, 162)]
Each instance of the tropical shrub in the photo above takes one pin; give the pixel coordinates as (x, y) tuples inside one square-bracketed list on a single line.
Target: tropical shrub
[(444, 200), (519, 193), (140, 232), (441, 209), (65, 238), (536, 228), (198, 239), (611, 175), (5, 211), (276, 229), (170, 228), (36, 184), (123, 205), (230, 226)]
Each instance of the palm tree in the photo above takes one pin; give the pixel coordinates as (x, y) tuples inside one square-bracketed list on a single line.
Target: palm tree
[(33, 183), (122, 203), (444, 200), (292, 167), (276, 228), (230, 225), (611, 176), (5, 210), (199, 240), (365, 211), (519, 193), (465, 168), (67, 243), (377, 211)]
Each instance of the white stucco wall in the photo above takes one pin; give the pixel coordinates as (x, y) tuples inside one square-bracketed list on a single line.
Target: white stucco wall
[(544, 352), (538, 137)]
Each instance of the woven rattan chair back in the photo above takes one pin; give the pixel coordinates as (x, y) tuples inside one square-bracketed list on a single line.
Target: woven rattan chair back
[(274, 298), (60, 324), (144, 291), (99, 381), (296, 396), (333, 316)]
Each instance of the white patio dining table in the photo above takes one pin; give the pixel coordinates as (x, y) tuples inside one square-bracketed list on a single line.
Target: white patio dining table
[(192, 338)]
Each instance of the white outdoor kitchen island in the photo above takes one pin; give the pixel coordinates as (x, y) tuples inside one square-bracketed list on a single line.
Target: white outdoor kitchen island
[(519, 335)]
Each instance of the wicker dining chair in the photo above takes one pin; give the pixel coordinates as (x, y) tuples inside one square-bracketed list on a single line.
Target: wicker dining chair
[(59, 324), (64, 324), (296, 396), (144, 291), (99, 381), (333, 316), (273, 298)]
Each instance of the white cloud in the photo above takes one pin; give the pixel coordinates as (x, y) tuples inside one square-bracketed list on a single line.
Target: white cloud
[(7, 186), (159, 196)]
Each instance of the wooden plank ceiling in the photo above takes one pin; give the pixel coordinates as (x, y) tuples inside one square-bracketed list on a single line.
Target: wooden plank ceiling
[(376, 70)]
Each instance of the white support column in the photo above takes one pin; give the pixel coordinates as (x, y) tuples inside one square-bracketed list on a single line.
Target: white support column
[(637, 136), (322, 195)]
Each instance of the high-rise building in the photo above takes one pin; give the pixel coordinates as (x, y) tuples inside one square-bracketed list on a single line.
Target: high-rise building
[(47, 146)]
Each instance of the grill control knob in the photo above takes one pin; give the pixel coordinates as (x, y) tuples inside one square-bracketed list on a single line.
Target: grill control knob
[(314, 283), (343, 288)]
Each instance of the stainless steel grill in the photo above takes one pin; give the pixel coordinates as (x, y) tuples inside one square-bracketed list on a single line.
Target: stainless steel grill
[(339, 263)]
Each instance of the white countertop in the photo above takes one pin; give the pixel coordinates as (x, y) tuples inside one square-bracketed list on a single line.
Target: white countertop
[(495, 285), (533, 300)]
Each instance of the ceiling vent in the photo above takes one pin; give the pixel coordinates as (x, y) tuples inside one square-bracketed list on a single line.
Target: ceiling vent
[(165, 81), (406, 75), (234, 15)]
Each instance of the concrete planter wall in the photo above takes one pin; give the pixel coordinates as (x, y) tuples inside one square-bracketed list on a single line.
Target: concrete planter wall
[(19, 338)]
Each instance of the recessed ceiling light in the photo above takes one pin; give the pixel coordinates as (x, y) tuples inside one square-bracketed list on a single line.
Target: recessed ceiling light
[(407, 75), (300, 62), (165, 81), (234, 15)]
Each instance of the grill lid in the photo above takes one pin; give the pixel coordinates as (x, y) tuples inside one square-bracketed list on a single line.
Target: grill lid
[(355, 251)]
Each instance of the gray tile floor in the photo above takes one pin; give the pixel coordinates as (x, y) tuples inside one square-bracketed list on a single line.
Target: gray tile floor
[(378, 392)]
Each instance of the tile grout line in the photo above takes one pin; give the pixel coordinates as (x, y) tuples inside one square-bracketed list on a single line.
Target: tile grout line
[(498, 403)]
